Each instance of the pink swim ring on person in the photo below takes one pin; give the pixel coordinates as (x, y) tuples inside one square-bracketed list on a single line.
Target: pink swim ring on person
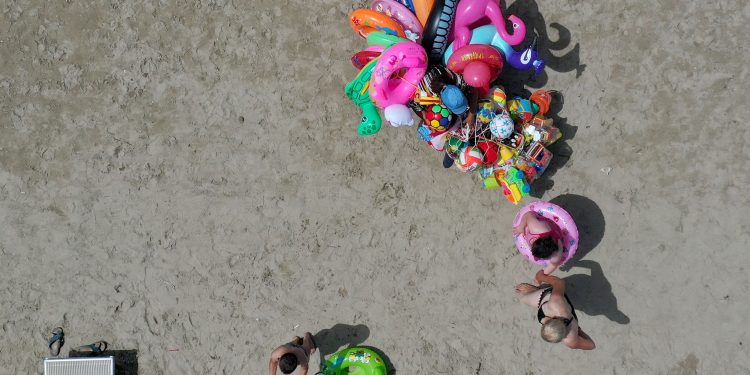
[(557, 217), (397, 73)]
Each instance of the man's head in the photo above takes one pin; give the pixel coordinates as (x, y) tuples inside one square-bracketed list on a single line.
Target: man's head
[(554, 330), (287, 363), (543, 247)]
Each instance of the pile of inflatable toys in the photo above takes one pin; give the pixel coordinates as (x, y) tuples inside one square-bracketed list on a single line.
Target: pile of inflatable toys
[(438, 59)]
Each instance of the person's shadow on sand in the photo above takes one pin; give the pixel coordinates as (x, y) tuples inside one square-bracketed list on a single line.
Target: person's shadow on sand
[(592, 294), (590, 222), (330, 340), (341, 335)]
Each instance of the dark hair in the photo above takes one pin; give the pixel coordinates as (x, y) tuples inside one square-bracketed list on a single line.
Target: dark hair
[(287, 363), (544, 247)]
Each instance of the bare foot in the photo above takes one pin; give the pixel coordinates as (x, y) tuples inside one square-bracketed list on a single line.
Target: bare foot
[(526, 288)]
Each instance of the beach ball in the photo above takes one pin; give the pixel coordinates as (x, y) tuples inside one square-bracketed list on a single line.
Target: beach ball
[(452, 146), (485, 111), (498, 96), (471, 158), (501, 125), (438, 117), (490, 151)]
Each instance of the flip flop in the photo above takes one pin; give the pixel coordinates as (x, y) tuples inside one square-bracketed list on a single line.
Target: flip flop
[(56, 342), (95, 348)]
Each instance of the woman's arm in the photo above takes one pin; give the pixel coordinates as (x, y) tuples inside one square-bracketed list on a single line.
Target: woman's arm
[(522, 224), (583, 342), (577, 339), (273, 365), (551, 267), (557, 284)]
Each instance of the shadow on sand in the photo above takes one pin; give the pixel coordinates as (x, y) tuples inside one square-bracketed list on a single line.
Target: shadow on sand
[(592, 294), (515, 81), (590, 221)]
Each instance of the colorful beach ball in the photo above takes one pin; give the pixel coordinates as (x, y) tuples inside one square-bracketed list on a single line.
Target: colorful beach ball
[(471, 158), (438, 117), (485, 111), (452, 146), (490, 152), (501, 125)]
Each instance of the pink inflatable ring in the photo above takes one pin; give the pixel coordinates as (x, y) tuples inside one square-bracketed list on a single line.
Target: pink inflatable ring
[(397, 74), (391, 8), (556, 216)]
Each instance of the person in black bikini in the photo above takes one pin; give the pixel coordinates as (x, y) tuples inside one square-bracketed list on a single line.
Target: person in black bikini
[(555, 311), (297, 352)]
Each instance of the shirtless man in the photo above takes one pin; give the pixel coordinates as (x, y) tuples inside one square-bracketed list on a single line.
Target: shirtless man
[(297, 352)]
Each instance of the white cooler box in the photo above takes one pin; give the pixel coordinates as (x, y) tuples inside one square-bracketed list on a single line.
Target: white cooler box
[(80, 366)]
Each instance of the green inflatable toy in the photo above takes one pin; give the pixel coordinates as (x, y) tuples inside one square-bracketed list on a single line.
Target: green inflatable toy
[(378, 38), (357, 91), (359, 361)]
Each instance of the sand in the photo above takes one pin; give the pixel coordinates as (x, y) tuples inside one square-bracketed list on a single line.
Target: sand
[(184, 179)]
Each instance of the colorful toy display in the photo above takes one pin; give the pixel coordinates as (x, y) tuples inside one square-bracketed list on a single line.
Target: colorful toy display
[(556, 216), (408, 67), (354, 360)]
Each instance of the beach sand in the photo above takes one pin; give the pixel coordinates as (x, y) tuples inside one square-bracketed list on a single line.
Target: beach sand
[(184, 179)]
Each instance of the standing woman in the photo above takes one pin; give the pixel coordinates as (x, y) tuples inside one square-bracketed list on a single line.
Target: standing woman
[(555, 311)]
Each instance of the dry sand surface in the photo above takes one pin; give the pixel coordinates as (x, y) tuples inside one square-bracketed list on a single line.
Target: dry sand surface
[(184, 179)]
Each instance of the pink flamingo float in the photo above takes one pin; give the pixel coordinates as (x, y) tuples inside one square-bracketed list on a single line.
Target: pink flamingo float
[(469, 12)]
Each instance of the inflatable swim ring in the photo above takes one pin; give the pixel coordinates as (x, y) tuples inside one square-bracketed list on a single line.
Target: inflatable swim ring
[(392, 8), (397, 74), (422, 9), (556, 216), (365, 21), (364, 362), (384, 40), (476, 53), (435, 39), (487, 34)]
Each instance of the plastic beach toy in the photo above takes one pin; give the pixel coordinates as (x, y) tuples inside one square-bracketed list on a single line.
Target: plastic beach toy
[(351, 361), (358, 91)]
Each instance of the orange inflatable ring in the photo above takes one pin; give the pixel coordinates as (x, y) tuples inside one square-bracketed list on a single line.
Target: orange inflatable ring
[(365, 21), (422, 8)]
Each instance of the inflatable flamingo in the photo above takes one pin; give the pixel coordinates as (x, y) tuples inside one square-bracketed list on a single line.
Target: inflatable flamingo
[(471, 11)]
